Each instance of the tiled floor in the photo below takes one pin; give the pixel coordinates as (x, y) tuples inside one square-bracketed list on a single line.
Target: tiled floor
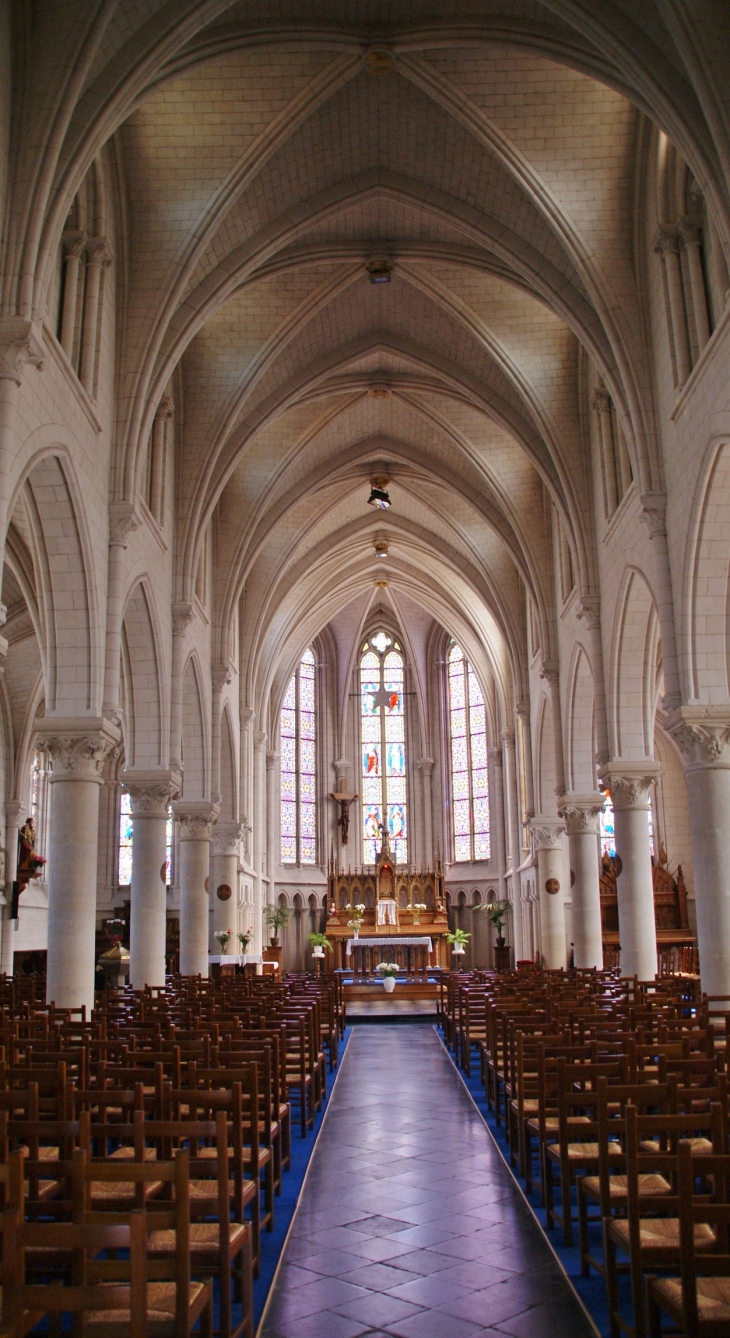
[(385, 1005), (409, 1223)]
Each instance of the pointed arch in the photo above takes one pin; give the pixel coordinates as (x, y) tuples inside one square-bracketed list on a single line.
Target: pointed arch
[(195, 746), (634, 669)]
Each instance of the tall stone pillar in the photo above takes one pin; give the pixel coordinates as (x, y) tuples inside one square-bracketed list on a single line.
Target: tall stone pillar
[(259, 829), (524, 758), (150, 793), (547, 836), (580, 813), (182, 616), (425, 766), (195, 820), (220, 676), (512, 835), (14, 814), (704, 736), (224, 890), (78, 748), (272, 822), (630, 784), (21, 345), (666, 244), (123, 520)]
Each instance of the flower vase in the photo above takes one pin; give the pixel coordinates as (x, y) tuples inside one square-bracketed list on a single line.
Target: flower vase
[(458, 950), (224, 949), (318, 952), (356, 932), (388, 984)]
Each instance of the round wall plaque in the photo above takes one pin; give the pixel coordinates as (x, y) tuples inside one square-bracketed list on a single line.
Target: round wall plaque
[(163, 872), (223, 892), (572, 877), (207, 884), (552, 886)]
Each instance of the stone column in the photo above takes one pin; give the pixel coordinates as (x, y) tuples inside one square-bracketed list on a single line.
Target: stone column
[(123, 519), (247, 717), (99, 259), (224, 891), (182, 616), (272, 822), (78, 748), (512, 834), (691, 230), (580, 813), (220, 676), (150, 793), (497, 831), (653, 513), (590, 606), (20, 345), (425, 766), (630, 783), (195, 822), (601, 405), (259, 819), (522, 711), (703, 734), (165, 412), (14, 814), (666, 244), (547, 836), (74, 243)]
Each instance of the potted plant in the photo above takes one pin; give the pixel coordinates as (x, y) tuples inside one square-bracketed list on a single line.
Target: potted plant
[(223, 938), (418, 907), (356, 914), (244, 939), (458, 941), (276, 919), (319, 943), (496, 912), (389, 971)]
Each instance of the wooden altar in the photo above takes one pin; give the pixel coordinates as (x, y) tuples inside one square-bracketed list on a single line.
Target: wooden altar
[(390, 896), (670, 904)]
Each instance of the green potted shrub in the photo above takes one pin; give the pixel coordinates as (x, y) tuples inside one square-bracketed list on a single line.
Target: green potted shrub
[(320, 943), (276, 919), (496, 912), (458, 941)]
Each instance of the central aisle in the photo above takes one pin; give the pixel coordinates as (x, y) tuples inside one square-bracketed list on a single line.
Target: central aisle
[(409, 1223)]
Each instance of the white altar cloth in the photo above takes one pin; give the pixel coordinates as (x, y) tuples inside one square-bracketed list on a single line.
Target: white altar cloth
[(235, 959), (390, 941)]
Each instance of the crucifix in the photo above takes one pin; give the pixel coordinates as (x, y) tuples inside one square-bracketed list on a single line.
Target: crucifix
[(344, 801)]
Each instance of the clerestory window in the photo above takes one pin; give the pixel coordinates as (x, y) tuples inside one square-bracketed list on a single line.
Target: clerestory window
[(468, 746), (298, 770)]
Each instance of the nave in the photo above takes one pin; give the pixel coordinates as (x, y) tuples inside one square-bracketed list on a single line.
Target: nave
[(409, 1223)]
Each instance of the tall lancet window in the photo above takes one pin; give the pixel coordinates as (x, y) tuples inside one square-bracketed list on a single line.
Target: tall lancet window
[(383, 747), (298, 783), (469, 784)]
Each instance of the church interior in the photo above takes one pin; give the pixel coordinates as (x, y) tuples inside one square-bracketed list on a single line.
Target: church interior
[(365, 668)]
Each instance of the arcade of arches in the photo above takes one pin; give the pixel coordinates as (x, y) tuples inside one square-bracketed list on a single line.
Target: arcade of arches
[(256, 255)]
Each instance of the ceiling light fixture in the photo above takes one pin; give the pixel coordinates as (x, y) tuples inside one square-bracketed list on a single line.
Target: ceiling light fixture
[(379, 269), (381, 548), (378, 496)]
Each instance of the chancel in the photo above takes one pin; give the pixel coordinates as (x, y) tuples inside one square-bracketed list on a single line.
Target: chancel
[(365, 666)]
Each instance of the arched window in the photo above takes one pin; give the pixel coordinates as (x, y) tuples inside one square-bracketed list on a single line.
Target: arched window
[(298, 779), (383, 747), (124, 867), (469, 783)]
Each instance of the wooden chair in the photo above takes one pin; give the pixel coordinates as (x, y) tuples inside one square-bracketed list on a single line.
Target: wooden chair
[(699, 1300), (113, 1296), (649, 1234)]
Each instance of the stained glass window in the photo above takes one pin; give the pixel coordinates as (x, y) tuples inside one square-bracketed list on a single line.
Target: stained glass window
[(469, 784), (168, 847), (605, 827), (298, 771), (382, 729), (125, 841)]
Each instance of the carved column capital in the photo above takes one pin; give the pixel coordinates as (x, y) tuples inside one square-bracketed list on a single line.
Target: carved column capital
[(20, 344), (495, 756), (151, 791), (425, 765), (601, 400), (690, 229), (78, 747), (123, 520), (666, 240), (221, 674), (547, 833), (99, 252), (195, 818), (259, 741), (590, 609), (508, 738), (271, 760), (580, 812), (182, 616), (522, 711), (227, 838), (654, 513), (550, 671), (703, 736), (630, 782), (14, 810), (248, 715)]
